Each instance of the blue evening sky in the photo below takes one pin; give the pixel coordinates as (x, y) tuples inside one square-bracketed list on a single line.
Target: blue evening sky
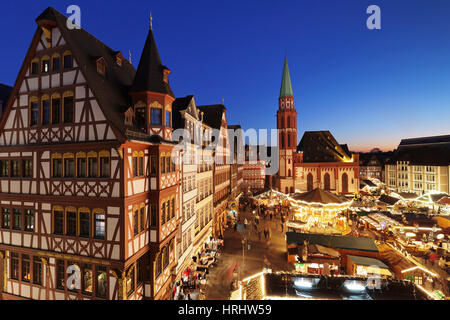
[(370, 88)]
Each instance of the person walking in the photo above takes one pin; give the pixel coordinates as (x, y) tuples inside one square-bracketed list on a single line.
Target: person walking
[(245, 223)]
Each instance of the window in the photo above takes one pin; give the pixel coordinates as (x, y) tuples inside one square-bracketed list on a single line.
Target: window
[(130, 282), (87, 279), (168, 164), (6, 218), (156, 116), (58, 221), (93, 165), (69, 166), (166, 257), (142, 219), (163, 213), (29, 220), (56, 166), (71, 222), (45, 111), (81, 165), (163, 165), (34, 112), (14, 266), (153, 165), (56, 62), (37, 271), (136, 222), (27, 168), (101, 66), (168, 122), (104, 164), (4, 168), (101, 282), (153, 212), (68, 61), (140, 267), (141, 165), (99, 223), (26, 270), (68, 109), (17, 219), (135, 166), (139, 114), (56, 110), (173, 208), (158, 266), (34, 67), (85, 223), (46, 65), (60, 274), (15, 168)]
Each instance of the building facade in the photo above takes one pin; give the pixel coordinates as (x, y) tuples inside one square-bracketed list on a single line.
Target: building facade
[(318, 161), (254, 170), (420, 165), (215, 117), (90, 186)]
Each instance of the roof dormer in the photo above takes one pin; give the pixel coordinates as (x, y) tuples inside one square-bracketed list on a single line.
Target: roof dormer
[(101, 66), (119, 58)]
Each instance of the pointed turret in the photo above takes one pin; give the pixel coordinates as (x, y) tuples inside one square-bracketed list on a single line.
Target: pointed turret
[(286, 86), (151, 75)]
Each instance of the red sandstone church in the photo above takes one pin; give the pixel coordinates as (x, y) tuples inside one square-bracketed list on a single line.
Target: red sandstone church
[(318, 161)]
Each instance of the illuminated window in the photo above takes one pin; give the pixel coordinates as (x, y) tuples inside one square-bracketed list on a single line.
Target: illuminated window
[(142, 218), (101, 282), (14, 266), (4, 168), (168, 119), (99, 224), (136, 221), (17, 219), (101, 66), (37, 271), (163, 164), (60, 274), (153, 165), (45, 65), (26, 270), (87, 279), (15, 168), (35, 66), (29, 220), (6, 218)]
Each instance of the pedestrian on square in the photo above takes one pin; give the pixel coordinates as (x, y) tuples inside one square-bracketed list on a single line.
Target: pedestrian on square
[(282, 226), (245, 223)]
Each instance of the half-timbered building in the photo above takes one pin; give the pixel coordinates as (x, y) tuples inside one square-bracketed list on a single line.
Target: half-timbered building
[(89, 185)]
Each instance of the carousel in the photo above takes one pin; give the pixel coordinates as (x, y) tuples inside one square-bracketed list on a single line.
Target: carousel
[(319, 211)]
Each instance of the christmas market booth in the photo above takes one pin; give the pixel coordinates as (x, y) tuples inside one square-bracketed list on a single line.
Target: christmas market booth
[(319, 211)]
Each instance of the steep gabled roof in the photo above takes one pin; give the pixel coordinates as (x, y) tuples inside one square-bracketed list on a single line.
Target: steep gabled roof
[(111, 90), (150, 72), (213, 115), (321, 146), (335, 242), (180, 104)]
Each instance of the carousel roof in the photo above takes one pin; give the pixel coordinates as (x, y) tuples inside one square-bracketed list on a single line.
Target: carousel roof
[(444, 200), (319, 196)]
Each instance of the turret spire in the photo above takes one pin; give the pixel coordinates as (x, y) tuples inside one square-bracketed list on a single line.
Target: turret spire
[(286, 86), (151, 21)]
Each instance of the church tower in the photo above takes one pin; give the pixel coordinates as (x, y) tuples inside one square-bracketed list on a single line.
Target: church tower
[(151, 94), (287, 133)]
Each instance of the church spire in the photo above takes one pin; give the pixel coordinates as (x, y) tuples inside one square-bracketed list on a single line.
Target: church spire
[(286, 86)]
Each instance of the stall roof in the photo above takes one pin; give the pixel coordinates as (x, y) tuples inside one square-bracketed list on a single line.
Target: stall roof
[(319, 196), (283, 285), (364, 261), (330, 241), (388, 199)]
